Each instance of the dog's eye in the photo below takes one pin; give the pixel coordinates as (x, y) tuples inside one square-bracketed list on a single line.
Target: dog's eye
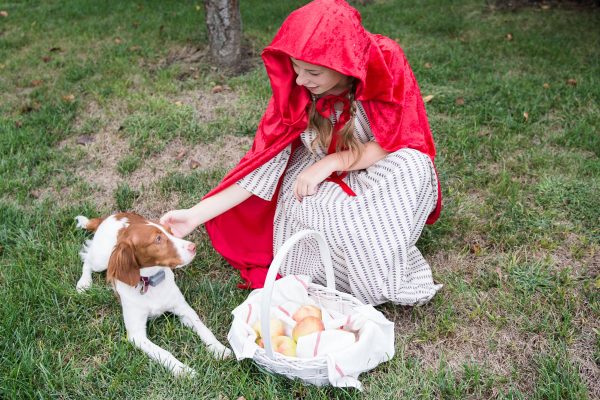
[(158, 239)]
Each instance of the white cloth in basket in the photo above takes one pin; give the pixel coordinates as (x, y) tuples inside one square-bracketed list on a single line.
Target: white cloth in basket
[(374, 345)]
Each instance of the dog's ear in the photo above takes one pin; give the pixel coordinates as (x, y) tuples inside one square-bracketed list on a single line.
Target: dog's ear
[(123, 265)]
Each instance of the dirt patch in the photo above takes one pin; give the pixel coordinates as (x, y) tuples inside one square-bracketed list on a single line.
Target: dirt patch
[(101, 155), (582, 352), (207, 106)]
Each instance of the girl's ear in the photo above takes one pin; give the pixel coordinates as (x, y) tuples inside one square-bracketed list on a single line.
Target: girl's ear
[(123, 265)]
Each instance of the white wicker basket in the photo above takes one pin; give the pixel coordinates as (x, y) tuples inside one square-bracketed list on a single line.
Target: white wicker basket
[(314, 370)]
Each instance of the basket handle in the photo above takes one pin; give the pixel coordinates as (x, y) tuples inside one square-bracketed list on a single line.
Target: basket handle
[(265, 318)]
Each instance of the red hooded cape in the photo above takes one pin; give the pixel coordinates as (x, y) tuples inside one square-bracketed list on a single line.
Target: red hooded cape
[(327, 33)]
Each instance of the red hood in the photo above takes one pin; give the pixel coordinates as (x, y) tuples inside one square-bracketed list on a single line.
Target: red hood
[(327, 33), (343, 45)]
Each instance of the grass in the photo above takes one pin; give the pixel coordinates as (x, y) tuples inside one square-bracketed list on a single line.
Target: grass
[(515, 115)]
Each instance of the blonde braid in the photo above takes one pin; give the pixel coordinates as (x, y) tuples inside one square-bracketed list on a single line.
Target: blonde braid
[(324, 129), (347, 139)]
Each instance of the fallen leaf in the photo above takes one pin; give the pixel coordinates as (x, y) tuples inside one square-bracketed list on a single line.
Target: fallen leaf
[(46, 59), (572, 82), (546, 86), (85, 139), (181, 154), (194, 163), (198, 8), (135, 24), (69, 98), (427, 99), (36, 82), (2, 66), (35, 194), (475, 249), (428, 65), (18, 124), (178, 103), (217, 89), (459, 101), (509, 37), (3, 13), (545, 6), (135, 48), (526, 116), (55, 49), (118, 40)]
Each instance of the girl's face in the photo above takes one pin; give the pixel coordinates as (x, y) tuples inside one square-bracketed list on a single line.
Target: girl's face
[(319, 80)]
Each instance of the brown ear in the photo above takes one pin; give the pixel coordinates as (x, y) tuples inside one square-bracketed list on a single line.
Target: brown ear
[(123, 265)]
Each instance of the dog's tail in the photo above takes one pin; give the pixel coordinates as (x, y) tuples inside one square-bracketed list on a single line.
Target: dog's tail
[(88, 224)]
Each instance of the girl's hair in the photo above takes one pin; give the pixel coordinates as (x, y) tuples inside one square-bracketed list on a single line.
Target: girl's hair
[(324, 129)]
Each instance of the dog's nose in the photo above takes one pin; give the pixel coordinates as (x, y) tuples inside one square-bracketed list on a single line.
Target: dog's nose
[(191, 247)]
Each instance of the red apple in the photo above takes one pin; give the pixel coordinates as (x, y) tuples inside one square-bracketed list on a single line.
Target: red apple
[(284, 345), (307, 326), (277, 328), (306, 311)]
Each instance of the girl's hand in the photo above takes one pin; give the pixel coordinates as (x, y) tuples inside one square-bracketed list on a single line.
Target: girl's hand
[(308, 180), (181, 222)]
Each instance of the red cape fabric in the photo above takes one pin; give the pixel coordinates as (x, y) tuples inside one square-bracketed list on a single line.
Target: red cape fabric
[(327, 33)]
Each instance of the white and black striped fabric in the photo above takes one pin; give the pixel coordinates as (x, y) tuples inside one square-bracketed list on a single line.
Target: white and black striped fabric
[(372, 236)]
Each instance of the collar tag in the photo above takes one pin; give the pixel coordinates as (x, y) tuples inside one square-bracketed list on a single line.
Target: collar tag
[(146, 281)]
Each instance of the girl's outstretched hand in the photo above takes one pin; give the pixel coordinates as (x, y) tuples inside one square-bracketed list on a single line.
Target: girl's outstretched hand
[(181, 222), (308, 180)]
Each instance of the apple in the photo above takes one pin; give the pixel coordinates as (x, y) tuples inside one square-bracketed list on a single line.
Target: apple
[(307, 326), (284, 345), (277, 328), (260, 342), (306, 311)]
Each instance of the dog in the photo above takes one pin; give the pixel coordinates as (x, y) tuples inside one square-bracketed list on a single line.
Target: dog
[(139, 257)]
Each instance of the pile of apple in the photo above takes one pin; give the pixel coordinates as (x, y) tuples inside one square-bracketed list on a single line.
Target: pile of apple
[(308, 320)]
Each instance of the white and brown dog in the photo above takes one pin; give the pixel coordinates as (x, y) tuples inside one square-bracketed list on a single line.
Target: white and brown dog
[(140, 257)]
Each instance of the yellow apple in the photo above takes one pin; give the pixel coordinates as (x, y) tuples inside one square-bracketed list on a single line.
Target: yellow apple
[(277, 328), (306, 311), (284, 345), (307, 326)]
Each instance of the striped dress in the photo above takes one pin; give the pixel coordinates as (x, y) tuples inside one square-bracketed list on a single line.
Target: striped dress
[(371, 236)]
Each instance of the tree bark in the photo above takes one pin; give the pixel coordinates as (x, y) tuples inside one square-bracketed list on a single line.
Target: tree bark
[(224, 25)]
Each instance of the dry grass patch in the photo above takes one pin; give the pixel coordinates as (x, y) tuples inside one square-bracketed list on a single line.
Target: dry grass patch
[(103, 148)]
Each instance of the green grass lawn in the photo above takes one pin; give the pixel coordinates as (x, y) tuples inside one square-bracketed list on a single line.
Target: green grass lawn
[(515, 113)]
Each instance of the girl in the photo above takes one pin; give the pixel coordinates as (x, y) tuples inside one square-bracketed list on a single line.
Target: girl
[(343, 148)]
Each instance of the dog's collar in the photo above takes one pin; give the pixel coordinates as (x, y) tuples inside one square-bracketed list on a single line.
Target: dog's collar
[(153, 280)]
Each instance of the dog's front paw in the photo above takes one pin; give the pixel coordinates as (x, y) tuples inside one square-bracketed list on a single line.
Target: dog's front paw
[(183, 371), (219, 351), (83, 284), (81, 221)]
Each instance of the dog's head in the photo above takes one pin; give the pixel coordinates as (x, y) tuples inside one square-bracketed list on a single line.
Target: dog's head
[(146, 244)]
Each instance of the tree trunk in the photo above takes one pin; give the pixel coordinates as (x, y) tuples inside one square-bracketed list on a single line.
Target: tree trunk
[(224, 25)]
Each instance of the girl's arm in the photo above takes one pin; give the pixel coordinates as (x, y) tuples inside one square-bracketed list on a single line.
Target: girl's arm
[(372, 152), (182, 222), (308, 180)]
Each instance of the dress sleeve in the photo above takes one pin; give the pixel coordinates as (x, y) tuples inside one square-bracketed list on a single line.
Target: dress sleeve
[(262, 182)]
